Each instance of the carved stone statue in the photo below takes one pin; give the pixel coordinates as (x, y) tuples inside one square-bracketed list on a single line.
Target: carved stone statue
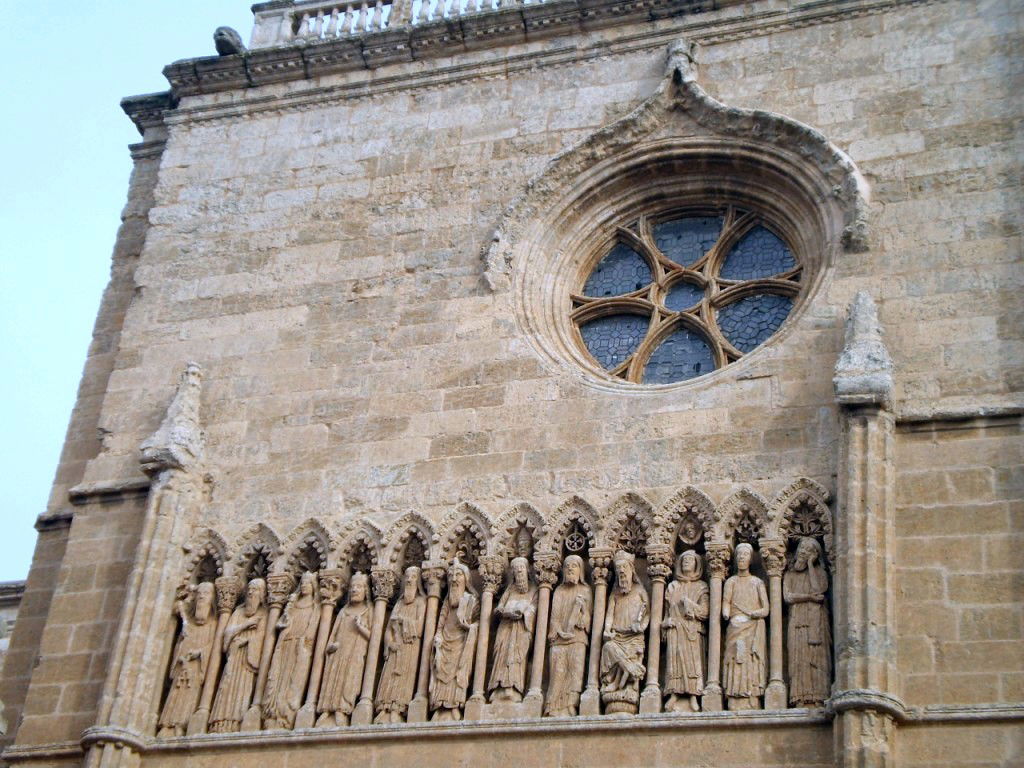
[(227, 41), (568, 637), (809, 640), (622, 656), (745, 606), (454, 646), (289, 671), (516, 613), (243, 646), (687, 601), (189, 661), (346, 655), (402, 650)]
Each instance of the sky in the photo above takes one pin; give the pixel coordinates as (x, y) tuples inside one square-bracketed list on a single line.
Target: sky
[(63, 184)]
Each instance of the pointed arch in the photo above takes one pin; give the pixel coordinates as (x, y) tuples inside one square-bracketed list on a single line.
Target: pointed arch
[(801, 509), (629, 523), (411, 525), (257, 550), (207, 556), (309, 547), (522, 516), (573, 510), (466, 526), (687, 506), (743, 509), (362, 546)]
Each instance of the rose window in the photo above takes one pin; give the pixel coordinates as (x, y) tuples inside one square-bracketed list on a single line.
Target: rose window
[(678, 296)]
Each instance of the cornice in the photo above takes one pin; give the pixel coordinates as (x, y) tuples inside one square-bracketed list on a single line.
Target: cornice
[(148, 110), (300, 61)]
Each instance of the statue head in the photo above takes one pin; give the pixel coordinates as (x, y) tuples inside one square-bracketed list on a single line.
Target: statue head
[(255, 595), (203, 605), (307, 584), (689, 566), (410, 583), (808, 553), (744, 552), (520, 573), (572, 570), (625, 570), (458, 580), (358, 588)]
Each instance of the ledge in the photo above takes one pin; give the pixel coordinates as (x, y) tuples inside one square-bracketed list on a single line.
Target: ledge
[(914, 419), (148, 110), (109, 490), (982, 713)]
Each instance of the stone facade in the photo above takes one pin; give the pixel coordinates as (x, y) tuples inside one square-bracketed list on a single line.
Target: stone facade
[(11, 594), (367, 242)]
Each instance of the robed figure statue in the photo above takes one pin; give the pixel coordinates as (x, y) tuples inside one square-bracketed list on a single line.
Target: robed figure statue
[(243, 646), (622, 656), (401, 650), (745, 606), (809, 641), (454, 646), (190, 660), (516, 612), (346, 655), (293, 655), (568, 637), (687, 601)]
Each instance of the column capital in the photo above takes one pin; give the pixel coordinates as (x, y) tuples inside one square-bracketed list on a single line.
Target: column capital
[(773, 553), (718, 555), (279, 588), (547, 565), (600, 564), (659, 561), (433, 577), (492, 572), (332, 583), (228, 588), (384, 582)]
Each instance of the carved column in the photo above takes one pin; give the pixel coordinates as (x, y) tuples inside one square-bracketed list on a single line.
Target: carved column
[(547, 567), (227, 588), (384, 581), (279, 588), (773, 553), (129, 703), (718, 569), (492, 570), (600, 563), (433, 577), (331, 583), (865, 697), (659, 568)]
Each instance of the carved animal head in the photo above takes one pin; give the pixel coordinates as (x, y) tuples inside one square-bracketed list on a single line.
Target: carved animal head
[(228, 41)]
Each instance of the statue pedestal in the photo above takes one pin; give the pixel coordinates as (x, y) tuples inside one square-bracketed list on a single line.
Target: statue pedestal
[(252, 720), (711, 701), (775, 696), (529, 708), (474, 709), (197, 723), (590, 702)]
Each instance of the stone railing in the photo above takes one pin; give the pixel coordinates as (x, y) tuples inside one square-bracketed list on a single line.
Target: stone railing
[(281, 22)]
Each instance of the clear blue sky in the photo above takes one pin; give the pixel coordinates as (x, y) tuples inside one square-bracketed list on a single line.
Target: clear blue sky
[(64, 180)]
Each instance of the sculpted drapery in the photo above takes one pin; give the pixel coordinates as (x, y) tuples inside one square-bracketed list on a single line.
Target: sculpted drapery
[(809, 638), (622, 656), (346, 655), (401, 650), (289, 670), (568, 637), (687, 604), (189, 661), (243, 646), (454, 646), (745, 606), (516, 612)]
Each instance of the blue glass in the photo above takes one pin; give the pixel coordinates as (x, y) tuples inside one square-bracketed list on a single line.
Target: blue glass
[(683, 355), (750, 322), (683, 296), (623, 270), (759, 254), (686, 240), (613, 338)]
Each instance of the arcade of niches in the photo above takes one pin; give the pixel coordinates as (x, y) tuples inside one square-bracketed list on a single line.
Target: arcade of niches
[(692, 606)]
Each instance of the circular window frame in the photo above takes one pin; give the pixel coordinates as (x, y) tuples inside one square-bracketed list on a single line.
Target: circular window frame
[(661, 180)]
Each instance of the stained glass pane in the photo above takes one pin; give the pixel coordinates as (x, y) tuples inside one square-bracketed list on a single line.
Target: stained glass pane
[(683, 296), (683, 355), (623, 270), (749, 322), (613, 338), (686, 240), (758, 254)]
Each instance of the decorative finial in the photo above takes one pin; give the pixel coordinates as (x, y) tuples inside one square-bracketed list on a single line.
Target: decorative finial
[(863, 373), (178, 443)]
